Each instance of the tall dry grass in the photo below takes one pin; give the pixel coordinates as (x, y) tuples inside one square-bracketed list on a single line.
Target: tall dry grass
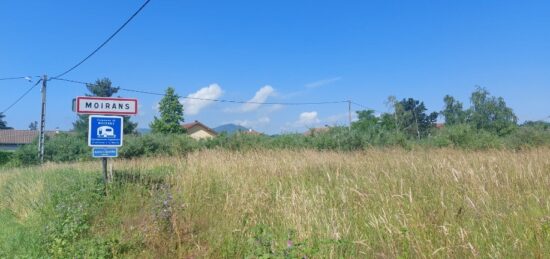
[(381, 203)]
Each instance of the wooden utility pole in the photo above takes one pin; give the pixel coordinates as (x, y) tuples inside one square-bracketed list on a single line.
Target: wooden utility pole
[(42, 120)]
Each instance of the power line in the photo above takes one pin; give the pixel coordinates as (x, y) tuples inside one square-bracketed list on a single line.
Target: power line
[(365, 107), (17, 77), (213, 100), (12, 78), (105, 42), (21, 97)]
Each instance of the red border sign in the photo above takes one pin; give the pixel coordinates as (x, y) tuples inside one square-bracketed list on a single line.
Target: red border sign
[(110, 100)]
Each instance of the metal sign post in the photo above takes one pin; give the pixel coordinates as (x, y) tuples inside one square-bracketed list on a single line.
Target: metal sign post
[(104, 153), (105, 131), (105, 175)]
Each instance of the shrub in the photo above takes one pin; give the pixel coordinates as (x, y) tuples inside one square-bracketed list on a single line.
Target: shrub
[(66, 147), (464, 136), (69, 147), (63, 147), (26, 155), (529, 136), (157, 144), (5, 157)]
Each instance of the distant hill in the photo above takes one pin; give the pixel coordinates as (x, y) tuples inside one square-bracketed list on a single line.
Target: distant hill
[(230, 128)]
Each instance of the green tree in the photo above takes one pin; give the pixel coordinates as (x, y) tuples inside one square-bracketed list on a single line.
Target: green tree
[(388, 122), (365, 120), (453, 111), (33, 125), (171, 114), (491, 113), (3, 123), (101, 88), (412, 119)]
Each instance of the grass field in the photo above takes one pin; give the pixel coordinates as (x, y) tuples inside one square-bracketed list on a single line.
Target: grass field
[(381, 203)]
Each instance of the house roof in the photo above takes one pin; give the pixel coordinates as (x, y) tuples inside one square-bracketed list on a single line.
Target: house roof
[(20, 136), (191, 125)]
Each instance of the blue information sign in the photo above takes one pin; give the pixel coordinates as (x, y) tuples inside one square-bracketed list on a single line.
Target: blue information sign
[(105, 131), (104, 152)]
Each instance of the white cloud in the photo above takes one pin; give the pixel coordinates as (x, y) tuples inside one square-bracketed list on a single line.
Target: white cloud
[(308, 119), (260, 97), (194, 106), (323, 82)]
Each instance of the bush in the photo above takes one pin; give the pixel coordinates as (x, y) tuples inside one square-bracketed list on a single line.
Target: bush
[(157, 144), (26, 155), (464, 136), (69, 147), (66, 147), (5, 157), (529, 136), (63, 147)]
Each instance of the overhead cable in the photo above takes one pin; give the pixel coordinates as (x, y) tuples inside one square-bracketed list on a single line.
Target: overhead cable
[(18, 77), (21, 97), (105, 42), (365, 107), (212, 100)]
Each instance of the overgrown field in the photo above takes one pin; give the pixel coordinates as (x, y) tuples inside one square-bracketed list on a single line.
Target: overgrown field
[(380, 203)]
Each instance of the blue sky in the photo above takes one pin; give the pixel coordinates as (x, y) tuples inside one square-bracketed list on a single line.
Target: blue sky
[(278, 51)]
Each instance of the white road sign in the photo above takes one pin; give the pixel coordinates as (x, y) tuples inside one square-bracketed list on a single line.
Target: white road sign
[(105, 105)]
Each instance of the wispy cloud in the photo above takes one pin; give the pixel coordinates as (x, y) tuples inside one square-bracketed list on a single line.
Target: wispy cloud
[(260, 97), (323, 82), (194, 106)]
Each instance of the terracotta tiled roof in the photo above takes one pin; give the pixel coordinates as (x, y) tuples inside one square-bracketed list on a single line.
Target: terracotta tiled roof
[(199, 124), (19, 136)]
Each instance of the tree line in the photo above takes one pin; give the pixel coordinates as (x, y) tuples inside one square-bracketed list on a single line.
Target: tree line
[(409, 116)]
